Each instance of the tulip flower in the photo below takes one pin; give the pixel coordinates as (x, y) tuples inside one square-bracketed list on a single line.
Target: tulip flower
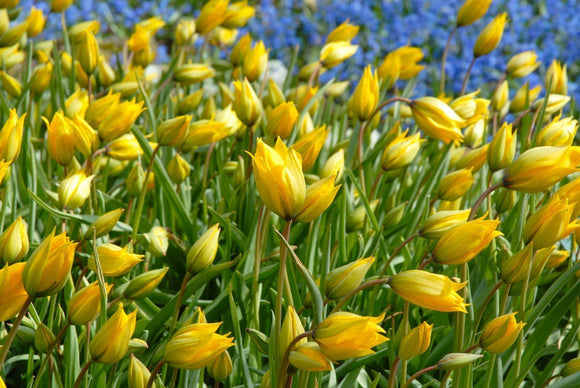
[(11, 136), (489, 38), (558, 77), (408, 58), (41, 78), (455, 184), (157, 241), (463, 242), (333, 166), (281, 120), (555, 103), (345, 335), (74, 190), (238, 14), (203, 252), (571, 192), (500, 96), (119, 119), (437, 119), (212, 14), (85, 304), (85, 138), (178, 169), (522, 64), (390, 70), (279, 178), (415, 342), (470, 108), (539, 168), (310, 357), (48, 268), (89, 52), (309, 146), (104, 224), (358, 217), (101, 108), (14, 242), (61, 147), (193, 73), (500, 333), (196, 346), (429, 290), (221, 368), (114, 260), (454, 361), (524, 97), (319, 197), (35, 22), (502, 148), (138, 375), (247, 104), (111, 342), (60, 5), (143, 285), (255, 62), (10, 84), (4, 170), (548, 224), (472, 11), (172, 132), (343, 32), (12, 292), (342, 280), (184, 32), (291, 328), (558, 133), (334, 53), (365, 97), (439, 223), (240, 50), (514, 269)]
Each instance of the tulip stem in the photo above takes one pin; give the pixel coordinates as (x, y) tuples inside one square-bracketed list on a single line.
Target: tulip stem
[(142, 194), (471, 348), (154, 373), (368, 284), (376, 184), (82, 373), (479, 200), (444, 59), (178, 304), (421, 372), (12, 332), (206, 164), (393, 372), (445, 378), (314, 75), (286, 357), (467, 76), (483, 307)]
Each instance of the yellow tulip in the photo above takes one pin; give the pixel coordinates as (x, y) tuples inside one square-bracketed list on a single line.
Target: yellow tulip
[(172, 132), (429, 290), (470, 108), (500, 96), (502, 148), (472, 11), (309, 357), (522, 64), (571, 192), (247, 104), (60, 5), (203, 251), (125, 147), (184, 32), (415, 342), (114, 260), (342, 280), (463, 242), (12, 292), (119, 119), (309, 146), (390, 70), (548, 224), (281, 120), (88, 52), (193, 73), (238, 14), (203, 132), (514, 269), (365, 97), (4, 170), (291, 328), (524, 97), (555, 103), (74, 190), (199, 336), (334, 166), (345, 335), (408, 58), (255, 62), (138, 375), (455, 184), (319, 197), (556, 258), (343, 32), (11, 136), (11, 84), (441, 222), (437, 119), (212, 15), (279, 178), (489, 38), (558, 77), (41, 78), (539, 168), (85, 304), (104, 224), (240, 50), (14, 242), (178, 169), (454, 361), (143, 285), (111, 342), (500, 333), (48, 268), (334, 53), (157, 240), (558, 133), (101, 108), (60, 141), (222, 367)]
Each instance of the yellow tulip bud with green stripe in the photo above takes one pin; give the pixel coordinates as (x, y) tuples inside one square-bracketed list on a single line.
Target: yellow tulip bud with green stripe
[(291, 328), (558, 133), (114, 260), (157, 241), (12, 292), (247, 104), (60, 141), (172, 132), (202, 254), (342, 280), (309, 357), (463, 242), (500, 333), (119, 119), (138, 375), (454, 185), (11, 136), (184, 32), (178, 169), (111, 342), (365, 97), (319, 197), (441, 222), (222, 367), (522, 64), (437, 119), (500, 96), (255, 62), (212, 14), (74, 190), (428, 290), (334, 53), (548, 224), (14, 242), (143, 285), (454, 361), (489, 38), (85, 304), (524, 97), (415, 342), (11, 84), (193, 73), (557, 75), (472, 11), (104, 224), (502, 148), (334, 166), (281, 120), (88, 52), (346, 335)]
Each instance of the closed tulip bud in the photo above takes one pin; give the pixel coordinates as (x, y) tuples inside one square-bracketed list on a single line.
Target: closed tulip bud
[(334, 53), (203, 338), (401, 151), (143, 285), (539, 262), (309, 357), (502, 148), (558, 133), (343, 32), (524, 98), (514, 269), (500, 96), (4, 20), (504, 200), (319, 197), (345, 335), (190, 102), (474, 134), (203, 132), (193, 73), (441, 222), (489, 38), (306, 125), (291, 328), (337, 89), (74, 190), (11, 56), (571, 367), (463, 242), (365, 98), (415, 342), (119, 120), (555, 103), (135, 180), (184, 32), (342, 280), (548, 224), (240, 50), (522, 64), (212, 15), (111, 342), (500, 333), (60, 141), (114, 260), (12, 292), (334, 166), (104, 224), (309, 146), (539, 168), (43, 338), (472, 11), (455, 185), (49, 266), (453, 361), (259, 339), (105, 73), (557, 76), (178, 169), (255, 62), (202, 254), (437, 119), (307, 70), (99, 109), (88, 52), (60, 5), (41, 78), (473, 159), (157, 241), (77, 103), (172, 132), (26, 335), (11, 84), (84, 306), (357, 218), (281, 120), (11, 136), (221, 368), (14, 243), (137, 346), (77, 31), (13, 34), (275, 95), (247, 105), (429, 290), (138, 374), (279, 178)]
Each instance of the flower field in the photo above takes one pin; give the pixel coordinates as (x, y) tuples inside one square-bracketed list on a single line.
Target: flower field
[(289, 194)]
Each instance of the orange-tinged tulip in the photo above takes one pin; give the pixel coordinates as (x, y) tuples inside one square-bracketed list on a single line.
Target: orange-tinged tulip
[(437, 119), (111, 342), (115, 261), (84, 306), (12, 292), (415, 342), (319, 197), (500, 333), (11, 136), (345, 335), (429, 290)]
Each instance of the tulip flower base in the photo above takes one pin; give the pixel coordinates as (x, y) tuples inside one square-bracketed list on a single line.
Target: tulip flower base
[(180, 208)]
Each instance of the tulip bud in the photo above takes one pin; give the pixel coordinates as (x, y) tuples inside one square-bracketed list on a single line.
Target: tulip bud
[(334, 53), (500, 96), (14, 243), (104, 224), (184, 32), (13, 296), (548, 224), (88, 52), (556, 258), (401, 151), (437, 119), (178, 169), (504, 200), (454, 185), (60, 139), (259, 339), (453, 361), (85, 138), (291, 328), (84, 306), (472, 11), (309, 146), (138, 374), (365, 98), (143, 285), (99, 109), (135, 180), (558, 133), (212, 15), (343, 32), (443, 221), (357, 218), (4, 20), (43, 338), (13, 34), (114, 260), (281, 120), (342, 280), (193, 73), (522, 64), (11, 136), (172, 132), (255, 62), (500, 333), (415, 342), (74, 190), (524, 97), (60, 5), (190, 102), (334, 166), (309, 357), (203, 252), (119, 120), (221, 368), (111, 342), (11, 84), (26, 335), (489, 38), (203, 132), (502, 148), (40, 79), (157, 241), (275, 95), (247, 105), (105, 73), (557, 76), (48, 268), (571, 367), (337, 89), (555, 103)]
